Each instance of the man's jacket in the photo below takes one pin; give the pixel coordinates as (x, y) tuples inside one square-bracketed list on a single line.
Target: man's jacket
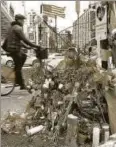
[(15, 38)]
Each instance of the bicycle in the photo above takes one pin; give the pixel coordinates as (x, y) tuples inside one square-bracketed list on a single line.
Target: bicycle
[(8, 74)]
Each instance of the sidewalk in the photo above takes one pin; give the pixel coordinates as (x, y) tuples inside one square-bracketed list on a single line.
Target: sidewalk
[(16, 102)]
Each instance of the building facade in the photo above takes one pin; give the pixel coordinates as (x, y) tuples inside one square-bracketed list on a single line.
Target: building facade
[(7, 15), (31, 29), (31, 26), (64, 40), (52, 39), (84, 28), (42, 32)]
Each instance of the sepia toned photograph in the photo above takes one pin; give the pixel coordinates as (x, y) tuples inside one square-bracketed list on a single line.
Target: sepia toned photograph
[(58, 73)]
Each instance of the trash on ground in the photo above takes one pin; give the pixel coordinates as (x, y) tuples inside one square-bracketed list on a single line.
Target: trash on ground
[(75, 88)]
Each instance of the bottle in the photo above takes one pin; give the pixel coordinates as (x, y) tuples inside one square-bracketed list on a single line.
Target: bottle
[(35, 130)]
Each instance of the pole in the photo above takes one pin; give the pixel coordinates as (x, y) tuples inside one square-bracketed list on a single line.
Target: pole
[(85, 38), (77, 4), (25, 25), (104, 46), (56, 33), (78, 37), (40, 29)]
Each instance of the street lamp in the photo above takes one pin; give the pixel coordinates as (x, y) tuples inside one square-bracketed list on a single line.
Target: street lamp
[(77, 4), (47, 36)]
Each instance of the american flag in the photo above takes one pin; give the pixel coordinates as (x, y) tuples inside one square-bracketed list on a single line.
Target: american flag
[(52, 10)]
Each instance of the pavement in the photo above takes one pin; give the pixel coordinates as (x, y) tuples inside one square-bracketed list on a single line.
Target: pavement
[(16, 102), (18, 99)]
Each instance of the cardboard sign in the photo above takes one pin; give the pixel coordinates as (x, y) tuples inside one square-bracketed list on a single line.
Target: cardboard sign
[(101, 22)]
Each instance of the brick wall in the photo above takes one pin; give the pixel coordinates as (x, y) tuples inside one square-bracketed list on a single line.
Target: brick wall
[(5, 23)]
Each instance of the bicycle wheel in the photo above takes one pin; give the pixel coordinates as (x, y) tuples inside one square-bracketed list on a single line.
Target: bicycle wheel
[(7, 80)]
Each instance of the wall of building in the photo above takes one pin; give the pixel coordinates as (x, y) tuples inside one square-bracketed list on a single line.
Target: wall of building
[(31, 28), (64, 41), (84, 29), (52, 39), (5, 23), (7, 15), (42, 32)]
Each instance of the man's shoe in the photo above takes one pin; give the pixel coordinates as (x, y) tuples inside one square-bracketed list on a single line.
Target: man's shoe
[(17, 85)]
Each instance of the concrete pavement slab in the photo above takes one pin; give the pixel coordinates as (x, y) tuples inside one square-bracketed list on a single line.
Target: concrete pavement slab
[(16, 101)]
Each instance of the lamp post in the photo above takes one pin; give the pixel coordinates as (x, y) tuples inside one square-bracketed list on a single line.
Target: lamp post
[(40, 32), (77, 4), (78, 37), (56, 33), (25, 25)]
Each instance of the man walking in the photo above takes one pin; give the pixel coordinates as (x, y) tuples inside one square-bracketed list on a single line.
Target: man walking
[(14, 41)]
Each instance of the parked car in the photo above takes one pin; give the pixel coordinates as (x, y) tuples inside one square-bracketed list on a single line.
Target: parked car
[(6, 60), (54, 59), (54, 56)]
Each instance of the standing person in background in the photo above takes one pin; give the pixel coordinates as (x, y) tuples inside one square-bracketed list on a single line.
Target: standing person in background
[(114, 47), (90, 50)]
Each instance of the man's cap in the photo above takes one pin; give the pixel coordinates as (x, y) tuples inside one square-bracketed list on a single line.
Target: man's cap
[(19, 16)]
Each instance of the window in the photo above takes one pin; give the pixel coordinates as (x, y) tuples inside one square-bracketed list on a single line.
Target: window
[(31, 36)]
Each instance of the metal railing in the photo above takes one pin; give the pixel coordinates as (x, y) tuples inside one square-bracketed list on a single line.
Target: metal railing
[(64, 40)]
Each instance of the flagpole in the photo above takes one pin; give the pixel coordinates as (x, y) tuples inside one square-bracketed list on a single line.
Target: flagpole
[(77, 3), (78, 37), (56, 32)]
